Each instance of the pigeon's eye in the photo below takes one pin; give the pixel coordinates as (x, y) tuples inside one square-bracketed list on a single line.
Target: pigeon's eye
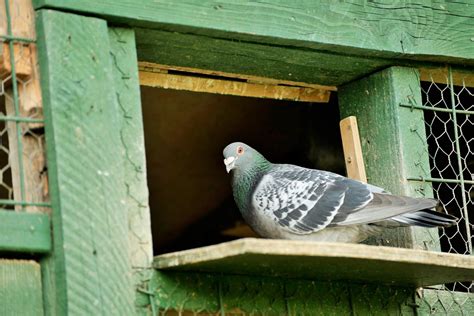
[(240, 150)]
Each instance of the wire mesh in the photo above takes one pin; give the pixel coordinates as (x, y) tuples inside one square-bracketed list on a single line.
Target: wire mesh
[(448, 106), (23, 178)]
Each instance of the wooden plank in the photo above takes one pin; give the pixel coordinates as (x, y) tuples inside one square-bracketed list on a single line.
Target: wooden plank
[(253, 59), (352, 149), (90, 271), (228, 87), (20, 293), (323, 261), (436, 32), (24, 232), (160, 68), (393, 142), (183, 293)]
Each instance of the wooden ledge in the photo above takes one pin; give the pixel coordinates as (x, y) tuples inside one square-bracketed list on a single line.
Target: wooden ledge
[(323, 261)]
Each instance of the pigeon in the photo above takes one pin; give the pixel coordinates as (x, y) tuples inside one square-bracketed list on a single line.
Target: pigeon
[(283, 201)]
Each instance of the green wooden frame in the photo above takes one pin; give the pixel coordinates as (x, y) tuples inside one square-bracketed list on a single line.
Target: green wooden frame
[(91, 101), (25, 232)]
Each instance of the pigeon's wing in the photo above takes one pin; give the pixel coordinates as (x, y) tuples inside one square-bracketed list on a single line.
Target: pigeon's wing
[(304, 201)]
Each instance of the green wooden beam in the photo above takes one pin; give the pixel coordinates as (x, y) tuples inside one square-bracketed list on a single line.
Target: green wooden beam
[(277, 62), (393, 142), (437, 31), (20, 290), (25, 232), (237, 294), (89, 272)]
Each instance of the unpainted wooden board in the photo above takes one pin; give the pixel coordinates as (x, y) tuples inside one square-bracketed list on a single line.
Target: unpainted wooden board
[(24, 232), (90, 272), (324, 261), (352, 149), (35, 178), (229, 87), (393, 142), (153, 67), (438, 31), (20, 290)]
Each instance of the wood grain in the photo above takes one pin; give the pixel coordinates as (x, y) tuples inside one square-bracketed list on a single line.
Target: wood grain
[(436, 32), (91, 271), (352, 149), (228, 87), (326, 261)]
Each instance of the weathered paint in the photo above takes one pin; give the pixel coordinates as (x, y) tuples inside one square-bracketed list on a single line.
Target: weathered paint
[(89, 271), (20, 288), (436, 31), (323, 261), (125, 72), (24, 232)]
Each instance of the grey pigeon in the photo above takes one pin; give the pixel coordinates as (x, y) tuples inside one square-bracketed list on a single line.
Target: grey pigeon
[(290, 202)]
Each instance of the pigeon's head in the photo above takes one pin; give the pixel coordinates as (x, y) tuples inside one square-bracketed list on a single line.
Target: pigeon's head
[(240, 156)]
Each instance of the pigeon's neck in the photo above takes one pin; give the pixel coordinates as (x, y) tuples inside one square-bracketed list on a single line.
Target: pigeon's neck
[(245, 181)]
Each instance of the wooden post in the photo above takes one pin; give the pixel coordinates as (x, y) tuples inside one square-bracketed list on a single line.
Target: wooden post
[(89, 272), (393, 142)]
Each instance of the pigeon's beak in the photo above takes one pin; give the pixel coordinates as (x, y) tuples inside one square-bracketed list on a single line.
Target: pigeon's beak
[(229, 163)]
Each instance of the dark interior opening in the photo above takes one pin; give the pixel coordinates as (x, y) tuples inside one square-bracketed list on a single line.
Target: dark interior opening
[(185, 132)]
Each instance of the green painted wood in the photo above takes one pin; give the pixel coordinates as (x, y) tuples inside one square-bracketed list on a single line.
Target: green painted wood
[(251, 58), (236, 295), (125, 72), (445, 303), (25, 232), (393, 142), (20, 288), (438, 31), (89, 272)]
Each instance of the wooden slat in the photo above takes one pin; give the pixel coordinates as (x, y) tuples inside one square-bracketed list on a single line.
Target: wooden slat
[(393, 142), (20, 290), (24, 232), (352, 149), (160, 68), (90, 273), (368, 29), (196, 84), (323, 261)]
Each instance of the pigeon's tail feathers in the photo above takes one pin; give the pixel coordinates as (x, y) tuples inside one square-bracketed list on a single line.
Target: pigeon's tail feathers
[(426, 218)]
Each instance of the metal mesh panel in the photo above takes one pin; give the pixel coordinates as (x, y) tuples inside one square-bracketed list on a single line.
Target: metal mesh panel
[(448, 105), (23, 178)]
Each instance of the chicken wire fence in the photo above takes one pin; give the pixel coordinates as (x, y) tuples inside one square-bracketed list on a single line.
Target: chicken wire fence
[(23, 179), (448, 105)]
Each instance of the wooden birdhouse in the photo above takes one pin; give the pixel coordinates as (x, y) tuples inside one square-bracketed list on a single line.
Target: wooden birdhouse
[(114, 199)]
